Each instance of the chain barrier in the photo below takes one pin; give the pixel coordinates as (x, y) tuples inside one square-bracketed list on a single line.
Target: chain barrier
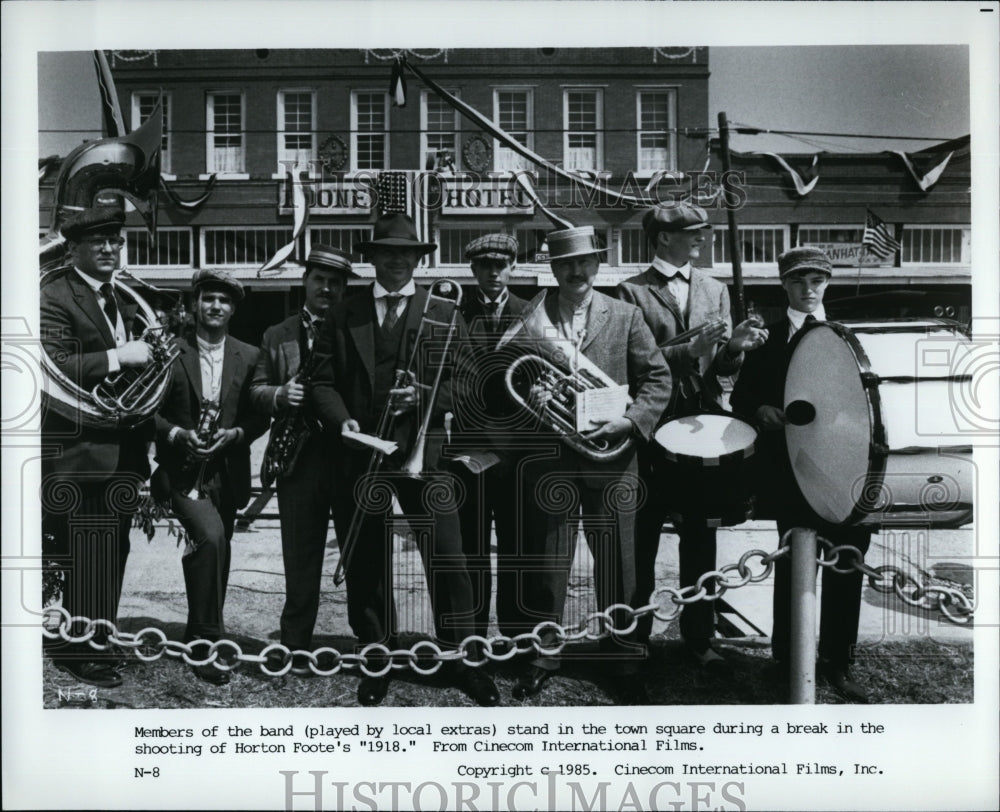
[(547, 638)]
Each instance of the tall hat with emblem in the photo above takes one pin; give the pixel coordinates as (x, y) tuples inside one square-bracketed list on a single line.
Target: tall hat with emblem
[(803, 260), (328, 258), (394, 230), (573, 242)]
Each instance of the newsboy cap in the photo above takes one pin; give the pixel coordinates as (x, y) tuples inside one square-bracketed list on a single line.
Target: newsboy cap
[(328, 258), (492, 246), (217, 278), (98, 220), (679, 216), (805, 258)]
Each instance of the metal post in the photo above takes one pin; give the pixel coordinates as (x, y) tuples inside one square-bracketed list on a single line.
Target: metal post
[(802, 674)]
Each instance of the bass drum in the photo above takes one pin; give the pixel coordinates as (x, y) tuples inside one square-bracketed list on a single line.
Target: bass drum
[(874, 435), (705, 468)]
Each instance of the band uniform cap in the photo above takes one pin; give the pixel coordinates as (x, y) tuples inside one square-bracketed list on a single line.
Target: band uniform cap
[(217, 278), (800, 260), (98, 220), (492, 246), (328, 258), (394, 230), (679, 216), (572, 242)]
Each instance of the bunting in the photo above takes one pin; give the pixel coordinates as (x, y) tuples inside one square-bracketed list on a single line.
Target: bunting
[(397, 84), (300, 220), (523, 179), (114, 122), (802, 187), (928, 179), (189, 205)]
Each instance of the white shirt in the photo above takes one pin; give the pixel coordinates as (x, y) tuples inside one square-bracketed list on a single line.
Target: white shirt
[(500, 300), (315, 322), (797, 318), (382, 305), (118, 329), (679, 280), (210, 357), (573, 318)]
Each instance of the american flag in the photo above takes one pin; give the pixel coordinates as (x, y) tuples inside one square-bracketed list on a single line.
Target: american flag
[(406, 192), (877, 239)]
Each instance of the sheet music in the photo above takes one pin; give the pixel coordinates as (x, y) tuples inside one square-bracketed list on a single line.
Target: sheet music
[(595, 406)]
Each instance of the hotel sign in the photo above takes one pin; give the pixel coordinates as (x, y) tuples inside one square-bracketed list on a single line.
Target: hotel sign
[(846, 255), (496, 195)]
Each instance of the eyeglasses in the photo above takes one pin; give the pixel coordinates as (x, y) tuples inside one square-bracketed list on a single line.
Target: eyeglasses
[(99, 242)]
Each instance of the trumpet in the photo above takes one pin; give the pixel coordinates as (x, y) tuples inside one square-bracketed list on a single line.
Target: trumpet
[(211, 412), (443, 300)]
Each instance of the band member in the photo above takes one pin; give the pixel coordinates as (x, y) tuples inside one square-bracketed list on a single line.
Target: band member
[(488, 418), (759, 395), (90, 483), (364, 341), (204, 463), (675, 297), (297, 444), (561, 485)]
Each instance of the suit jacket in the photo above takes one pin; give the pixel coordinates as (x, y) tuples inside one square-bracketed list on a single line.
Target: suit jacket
[(75, 334), (182, 407), (344, 384), (708, 300)]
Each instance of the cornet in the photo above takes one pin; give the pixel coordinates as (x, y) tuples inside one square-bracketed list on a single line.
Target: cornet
[(207, 425)]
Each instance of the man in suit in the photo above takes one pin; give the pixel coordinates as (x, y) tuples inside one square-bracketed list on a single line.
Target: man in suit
[(488, 419), (759, 395), (306, 492), (87, 330), (364, 341), (561, 486), (675, 297), (206, 475)]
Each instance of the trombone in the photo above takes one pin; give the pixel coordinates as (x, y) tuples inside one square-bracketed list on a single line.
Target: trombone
[(448, 295)]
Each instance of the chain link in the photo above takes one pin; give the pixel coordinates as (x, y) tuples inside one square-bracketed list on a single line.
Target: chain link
[(548, 638)]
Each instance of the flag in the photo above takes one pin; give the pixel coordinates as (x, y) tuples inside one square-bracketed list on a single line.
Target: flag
[(877, 240), (406, 192), (397, 84)]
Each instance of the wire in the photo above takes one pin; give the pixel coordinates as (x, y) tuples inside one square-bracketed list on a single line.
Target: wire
[(748, 129)]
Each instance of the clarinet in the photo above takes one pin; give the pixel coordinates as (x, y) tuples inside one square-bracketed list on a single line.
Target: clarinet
[(207, 425), (289, 433)]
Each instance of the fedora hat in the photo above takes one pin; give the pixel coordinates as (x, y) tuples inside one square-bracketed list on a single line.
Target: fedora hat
[(394, 230), (572, 242), (327, 258)]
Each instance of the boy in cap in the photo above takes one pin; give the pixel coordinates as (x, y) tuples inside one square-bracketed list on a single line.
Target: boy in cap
[(676, 297), (213, 370), (87, 330), (306, 492), (759, 395)]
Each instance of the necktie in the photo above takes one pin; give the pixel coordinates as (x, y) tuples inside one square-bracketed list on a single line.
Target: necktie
[(809, 319), (110, 305), (391, 311), (492, 310)]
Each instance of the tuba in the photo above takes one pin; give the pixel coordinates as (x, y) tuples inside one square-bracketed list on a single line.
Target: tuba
[(549, 381)]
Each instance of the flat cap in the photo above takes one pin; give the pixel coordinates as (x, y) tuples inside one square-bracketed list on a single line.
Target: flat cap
[(492, 246), (805, 258), (674, 216), (98, 220), (328, 258), (217, 278)]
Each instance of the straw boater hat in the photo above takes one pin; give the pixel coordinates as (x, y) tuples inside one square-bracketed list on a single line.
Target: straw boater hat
[(394, 231), (327, 258), (572, 242)]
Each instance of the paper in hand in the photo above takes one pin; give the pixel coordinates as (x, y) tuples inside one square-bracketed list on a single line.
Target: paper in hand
[(594, 406), (385, 446)]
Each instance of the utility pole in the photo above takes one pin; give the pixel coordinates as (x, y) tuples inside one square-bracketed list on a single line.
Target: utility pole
[(734, 242)]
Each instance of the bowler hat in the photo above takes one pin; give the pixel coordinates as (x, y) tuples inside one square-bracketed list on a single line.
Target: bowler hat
[(99, 220), (327, 258), (803, 259), (217, 278), (572, 242), (675, 216), (394, 230), (492, 246)]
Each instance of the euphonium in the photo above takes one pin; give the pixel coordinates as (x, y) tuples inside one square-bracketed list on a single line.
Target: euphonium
[(208, 422)]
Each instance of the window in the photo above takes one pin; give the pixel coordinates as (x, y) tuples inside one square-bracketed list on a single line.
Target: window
[(439, 129), (635, 248), (841, 244), (226, 150), (452, 242), (143, 105), (512, 113), (344, 237), (296, 129), (810, 235), (759, 244), (173, 248), (369, 124), (242, 247), (935, 244), (656, 123), (583, 129)]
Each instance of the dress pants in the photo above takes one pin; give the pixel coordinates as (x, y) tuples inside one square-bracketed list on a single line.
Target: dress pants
[(209, 523), (304, 500)]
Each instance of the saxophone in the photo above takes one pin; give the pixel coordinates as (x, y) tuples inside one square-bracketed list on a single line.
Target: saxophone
[(289, 433), (207, 425)]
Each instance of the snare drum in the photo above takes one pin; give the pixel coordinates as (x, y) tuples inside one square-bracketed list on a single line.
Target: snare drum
[(874, 437), (706, 469)]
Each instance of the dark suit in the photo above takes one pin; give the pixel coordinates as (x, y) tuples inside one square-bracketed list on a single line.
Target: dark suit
[(696, 389), (305, 495), (351, 384), (762, 383), (208, 522), (90, 477), (488, 419), (561, 486)]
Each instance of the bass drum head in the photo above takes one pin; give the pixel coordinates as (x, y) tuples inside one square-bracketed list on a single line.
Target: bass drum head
[(705, 437), (831, 421)]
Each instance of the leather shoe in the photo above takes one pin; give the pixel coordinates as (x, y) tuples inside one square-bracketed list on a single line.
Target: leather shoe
[(530, 682), (478, 685), (210, 674), (93, 673), (372, 690), (709, 659), (838, 677)]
